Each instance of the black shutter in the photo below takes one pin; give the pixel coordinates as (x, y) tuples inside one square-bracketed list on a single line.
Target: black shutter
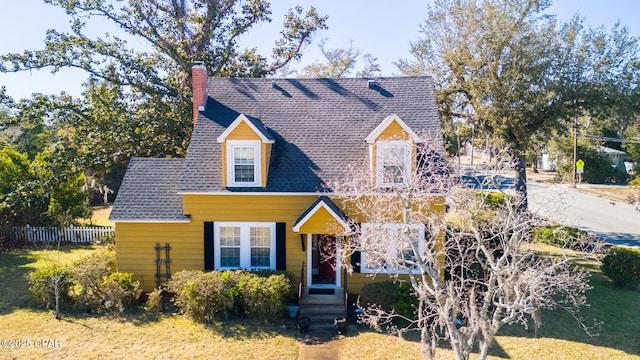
[(209, 250), (356, 256), (281, 246), (355, 261)]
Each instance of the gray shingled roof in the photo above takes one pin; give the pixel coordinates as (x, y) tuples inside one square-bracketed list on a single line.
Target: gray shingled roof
[(319, 125), (149, 192)]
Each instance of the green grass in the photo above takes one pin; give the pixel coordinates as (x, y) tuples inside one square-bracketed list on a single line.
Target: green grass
[(148, 336), (612, 313), (139, 335), (99, 216)]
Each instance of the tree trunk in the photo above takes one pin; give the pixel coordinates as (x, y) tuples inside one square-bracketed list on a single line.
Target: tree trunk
[(484, 349), (428, 346), (56, 294), (521, 183), (428, 338)]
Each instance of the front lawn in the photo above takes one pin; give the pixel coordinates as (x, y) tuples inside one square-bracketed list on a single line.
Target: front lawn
[(169, 336)]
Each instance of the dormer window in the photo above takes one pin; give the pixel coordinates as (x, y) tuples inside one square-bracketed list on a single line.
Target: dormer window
[(246, 147), (392, 145), (244, 164), (393, 165)]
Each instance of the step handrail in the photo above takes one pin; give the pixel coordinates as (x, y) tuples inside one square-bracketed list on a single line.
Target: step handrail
[(301, 285)]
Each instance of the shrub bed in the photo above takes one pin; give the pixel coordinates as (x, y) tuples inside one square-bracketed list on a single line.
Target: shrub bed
[(237, 293), (91, 283), (622, 266), (562, 236), (43, 281), (390, 295)]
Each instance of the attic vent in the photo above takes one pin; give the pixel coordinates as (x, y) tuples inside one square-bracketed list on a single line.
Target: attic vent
[(371, 83), (273, 84)]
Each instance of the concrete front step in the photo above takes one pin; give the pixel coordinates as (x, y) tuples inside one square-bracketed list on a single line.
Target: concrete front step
[(322, 321), (322, 309)]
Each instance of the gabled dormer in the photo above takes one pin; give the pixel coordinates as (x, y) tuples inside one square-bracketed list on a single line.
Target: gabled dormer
[(246, 151), (393, 152)]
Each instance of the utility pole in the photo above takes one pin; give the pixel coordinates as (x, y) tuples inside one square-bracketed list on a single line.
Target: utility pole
[(472, 138), (575, 150), (458, 133)]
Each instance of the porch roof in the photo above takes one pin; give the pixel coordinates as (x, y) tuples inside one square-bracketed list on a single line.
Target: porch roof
[(323, 203)]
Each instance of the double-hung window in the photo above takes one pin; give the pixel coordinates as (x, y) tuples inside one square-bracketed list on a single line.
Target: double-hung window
[(241, 245), (395, 247), (243, 163), (393, 162)]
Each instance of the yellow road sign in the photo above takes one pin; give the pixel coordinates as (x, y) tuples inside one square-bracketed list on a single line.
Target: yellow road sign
[(580, 164)]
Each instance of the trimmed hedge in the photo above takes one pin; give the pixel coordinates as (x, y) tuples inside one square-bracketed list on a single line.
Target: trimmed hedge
[(622, 266), (91, 283), (236, 293), (494, 199), (559, 236), (119, 292), (88, 274), (42, 283)]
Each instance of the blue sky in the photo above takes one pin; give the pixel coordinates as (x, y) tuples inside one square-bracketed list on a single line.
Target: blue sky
[(381, 28)]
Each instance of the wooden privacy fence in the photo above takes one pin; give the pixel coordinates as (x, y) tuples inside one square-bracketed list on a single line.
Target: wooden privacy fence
[(73, 234)]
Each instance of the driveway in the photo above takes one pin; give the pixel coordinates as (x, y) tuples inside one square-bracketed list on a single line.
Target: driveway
[(614, 221)]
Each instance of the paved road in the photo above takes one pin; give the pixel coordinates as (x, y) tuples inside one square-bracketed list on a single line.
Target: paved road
[(616, 222)]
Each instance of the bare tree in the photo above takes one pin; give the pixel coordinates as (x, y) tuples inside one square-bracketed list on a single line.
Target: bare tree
[(340, 62), (467, 253)]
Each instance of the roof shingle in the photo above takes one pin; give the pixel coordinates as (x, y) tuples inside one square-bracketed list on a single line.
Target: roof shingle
[(149, 192), (319, 125)]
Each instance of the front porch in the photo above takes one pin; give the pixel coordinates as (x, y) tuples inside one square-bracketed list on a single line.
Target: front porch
[(323, 308)]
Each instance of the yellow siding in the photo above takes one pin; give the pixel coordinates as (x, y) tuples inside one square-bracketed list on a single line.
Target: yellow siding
[(135, 251), (266, 158), (243, 132), (356, 281), (135, 241), (322, 222), (266, 208), (393, 132), (223, 148)]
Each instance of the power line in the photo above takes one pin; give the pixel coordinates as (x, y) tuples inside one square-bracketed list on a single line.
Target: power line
[(610, 139)]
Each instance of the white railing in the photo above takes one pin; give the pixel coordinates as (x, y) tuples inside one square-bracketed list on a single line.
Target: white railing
[(74, 234)]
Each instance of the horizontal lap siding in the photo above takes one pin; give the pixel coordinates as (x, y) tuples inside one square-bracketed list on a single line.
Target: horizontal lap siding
[(135, 251), (322, 222), (248, 208), (356, 281), (135, 241)]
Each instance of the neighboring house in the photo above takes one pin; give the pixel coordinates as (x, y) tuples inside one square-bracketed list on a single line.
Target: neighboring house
[(253, 191), (617, 157)]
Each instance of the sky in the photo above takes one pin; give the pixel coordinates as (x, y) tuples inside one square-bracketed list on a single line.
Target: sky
[(382, 28)]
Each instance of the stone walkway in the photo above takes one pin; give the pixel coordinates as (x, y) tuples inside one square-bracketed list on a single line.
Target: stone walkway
[(320, 344)]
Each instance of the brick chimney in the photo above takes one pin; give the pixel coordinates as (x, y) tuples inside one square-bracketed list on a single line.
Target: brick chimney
[(199, 78)]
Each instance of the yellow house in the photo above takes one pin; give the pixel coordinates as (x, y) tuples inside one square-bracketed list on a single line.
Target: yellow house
[(253, 191)]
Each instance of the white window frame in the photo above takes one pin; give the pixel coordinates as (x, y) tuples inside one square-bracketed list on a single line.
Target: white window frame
[(381, 146), (391, 248), (257, 166), (245, 244)]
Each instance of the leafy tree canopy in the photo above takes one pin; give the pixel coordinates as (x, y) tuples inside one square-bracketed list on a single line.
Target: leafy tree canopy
[(511, 69), (179, 32), (138, 97)]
